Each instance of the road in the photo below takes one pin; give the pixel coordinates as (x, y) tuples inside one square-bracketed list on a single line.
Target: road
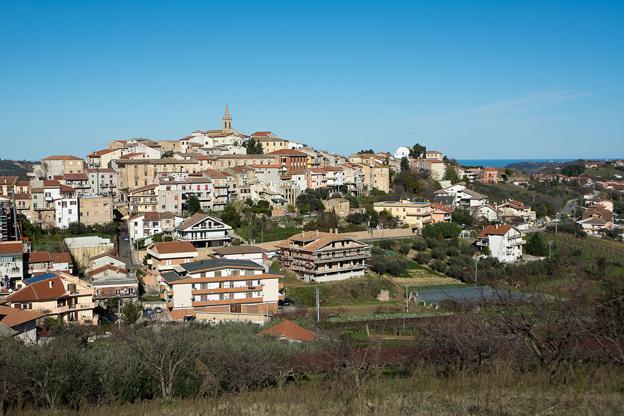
[(125, 250), (570, 207)]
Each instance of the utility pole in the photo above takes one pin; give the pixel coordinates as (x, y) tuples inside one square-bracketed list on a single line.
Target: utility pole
[(318, 305), (406, 299), (550, 249), (476, 270)]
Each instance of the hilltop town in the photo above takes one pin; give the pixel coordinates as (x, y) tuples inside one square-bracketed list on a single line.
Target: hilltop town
[(221, 226)]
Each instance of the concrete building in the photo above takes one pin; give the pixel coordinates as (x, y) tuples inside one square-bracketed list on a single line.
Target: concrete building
[(146, 225), (95, 209), (252, 253), (60, 165), (113, 282), (12, 266), (43, 262), (503, 241), (221, 290), (167, 255), (83, 249), (321, 257)]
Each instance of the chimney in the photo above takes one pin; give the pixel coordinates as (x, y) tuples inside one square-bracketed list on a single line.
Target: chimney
[(51, 284), (317, 233)]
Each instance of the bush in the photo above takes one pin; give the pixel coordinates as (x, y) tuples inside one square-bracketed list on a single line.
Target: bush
[(441, 230), (422, 258), (419, 244), (536, 245)]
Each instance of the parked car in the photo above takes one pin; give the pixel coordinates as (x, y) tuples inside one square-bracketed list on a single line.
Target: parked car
[(189, 318)]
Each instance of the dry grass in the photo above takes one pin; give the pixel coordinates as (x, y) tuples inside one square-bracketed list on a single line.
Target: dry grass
[(498, 391)]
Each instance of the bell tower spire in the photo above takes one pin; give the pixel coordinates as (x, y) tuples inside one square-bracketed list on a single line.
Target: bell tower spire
[(227, 119)]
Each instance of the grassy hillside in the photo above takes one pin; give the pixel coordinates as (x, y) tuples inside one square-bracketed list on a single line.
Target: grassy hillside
[(494, 392), (15, 168)]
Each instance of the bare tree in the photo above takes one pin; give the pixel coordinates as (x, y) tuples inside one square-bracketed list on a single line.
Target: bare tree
[(164, 350)]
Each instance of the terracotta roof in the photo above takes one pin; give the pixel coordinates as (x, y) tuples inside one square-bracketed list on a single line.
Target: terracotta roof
[(12, 316), (49, 183), (313, 240), (39, 291), (289, 330), (287, 152), (224, 251), (130, 155), (39, 257), (63, 257), (76, 177), (262, 134), (215, 174), (195, 219), (441, 207), (106, 267), (142, 188), (112, 256), (171, 247), (495, 230), (8, 180), (99, 153), (11, 247), (61, 157)]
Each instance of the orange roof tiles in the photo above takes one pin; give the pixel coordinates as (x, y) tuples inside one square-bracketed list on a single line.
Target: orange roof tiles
[(289, 330)]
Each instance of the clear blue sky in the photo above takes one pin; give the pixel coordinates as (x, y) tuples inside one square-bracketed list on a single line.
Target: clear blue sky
[(497, 79)]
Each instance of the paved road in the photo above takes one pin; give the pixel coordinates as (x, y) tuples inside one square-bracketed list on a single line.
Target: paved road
[(125, 250), (570, 207)]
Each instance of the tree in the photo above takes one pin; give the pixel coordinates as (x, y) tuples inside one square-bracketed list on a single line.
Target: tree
[(168, 153), (405, 165), (451, 174), (366, 152), (536, 246), (441, 230), (166, 351), (253, 147), (193, 205), (463, 217), (418, 151), (130, 312), (574, 169), (231, 216)]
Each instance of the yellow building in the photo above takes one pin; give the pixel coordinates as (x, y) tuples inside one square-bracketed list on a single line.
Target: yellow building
[(413, 213)]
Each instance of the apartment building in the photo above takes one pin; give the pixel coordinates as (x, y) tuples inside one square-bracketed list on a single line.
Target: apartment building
[(174, 192), (113, 282), (269, 141), (321, 257), (79, 182), (203, 231), (415, 214), (503, 241), (8, 185), (60, 165), (441, 213), (94, 209), (220, 290), (252, 253), (376, 176), (290, 161), (102, 181), (489, 175), (516, 209), (101, 159), (133, 173), (142, 199), (59, 295), (166, 255)]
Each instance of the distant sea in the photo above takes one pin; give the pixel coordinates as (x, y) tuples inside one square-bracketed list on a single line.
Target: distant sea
[(501, 163)]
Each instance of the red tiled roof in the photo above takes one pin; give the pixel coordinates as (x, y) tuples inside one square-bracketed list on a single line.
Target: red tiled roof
[(99, 153), (495, 230), (290, 330), (8, 180), (287, 152), (64, 257), (39, 257), (61, 157), (12, 316), (11, 247), (106, 267), (39, 291), (262, 134), (76, 177), (171, 247)]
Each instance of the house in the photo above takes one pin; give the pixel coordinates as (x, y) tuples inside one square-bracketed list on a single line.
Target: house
[(291, 161), (289, 331), (434, 154), (143, 199), (58, 165), (595, 226), (43, 261), (59, 295), (113, 282), (106, 259), (503, 241), (22, 322), (488, 212), (435, 167), (102, 181), (516, 209), (203, 231), (321, 257), (11, 262), (220, 290), (489, 175), (167, 255), (253, 253), (147, 224), (441, 213), (416, 214)]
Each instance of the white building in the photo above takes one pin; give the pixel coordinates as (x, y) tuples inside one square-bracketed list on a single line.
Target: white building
[(148, 224), (203, 231), (401, 152), (504, 242)]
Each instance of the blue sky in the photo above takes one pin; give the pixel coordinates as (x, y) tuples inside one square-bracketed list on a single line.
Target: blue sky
[(497, 79)]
